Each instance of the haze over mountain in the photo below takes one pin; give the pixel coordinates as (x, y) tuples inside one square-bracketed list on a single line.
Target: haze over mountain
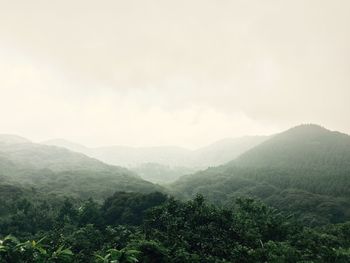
[(166, 163), (59, 170), (306, 168), (306, 146), (304, 172)]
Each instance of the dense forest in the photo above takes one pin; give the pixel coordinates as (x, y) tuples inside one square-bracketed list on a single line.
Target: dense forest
[(134, 227), (305, 171), (285, 200)]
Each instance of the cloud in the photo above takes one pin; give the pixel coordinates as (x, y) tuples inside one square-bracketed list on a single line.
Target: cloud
[(119, 72)]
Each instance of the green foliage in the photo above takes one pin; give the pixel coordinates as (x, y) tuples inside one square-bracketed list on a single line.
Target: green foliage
[(129, 208), (11, 250), (157, 228), (62, 255), (151, 251), (119, 256)]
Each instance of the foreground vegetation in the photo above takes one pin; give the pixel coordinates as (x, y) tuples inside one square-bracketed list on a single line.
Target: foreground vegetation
[(134, 227)]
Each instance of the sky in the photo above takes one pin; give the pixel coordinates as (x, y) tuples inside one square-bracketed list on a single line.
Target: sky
[(185, 72)]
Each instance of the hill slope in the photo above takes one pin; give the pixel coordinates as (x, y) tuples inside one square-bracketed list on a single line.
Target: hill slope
[(305, 170), (60, 171), (305, 146)]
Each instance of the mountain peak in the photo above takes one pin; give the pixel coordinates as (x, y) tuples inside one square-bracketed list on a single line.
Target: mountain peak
[(306, 145), (308, 127)]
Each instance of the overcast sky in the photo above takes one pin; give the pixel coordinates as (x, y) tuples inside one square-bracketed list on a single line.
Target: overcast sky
[(172, 72)]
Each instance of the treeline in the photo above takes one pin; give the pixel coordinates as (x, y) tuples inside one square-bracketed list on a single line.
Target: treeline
[(134, 227)]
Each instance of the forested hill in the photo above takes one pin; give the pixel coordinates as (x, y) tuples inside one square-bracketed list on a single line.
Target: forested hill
[(304, 170), (305, 146), (59, 171), (25, 154)]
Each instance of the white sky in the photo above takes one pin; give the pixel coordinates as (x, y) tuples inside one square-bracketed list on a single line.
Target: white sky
[(185, 72)]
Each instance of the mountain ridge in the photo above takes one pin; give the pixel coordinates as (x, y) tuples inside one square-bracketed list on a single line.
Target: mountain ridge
[(64, 172), (303, 145), (304, 169), (172, 161)]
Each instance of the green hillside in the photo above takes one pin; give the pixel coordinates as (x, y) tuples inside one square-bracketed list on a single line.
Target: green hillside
[(306, 146), (59, 171), (305, 170)]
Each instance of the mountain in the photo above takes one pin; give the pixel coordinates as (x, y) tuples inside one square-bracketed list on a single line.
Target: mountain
[(60, 171), (37, 156), (305, 146), (305, 170), (165, 164)]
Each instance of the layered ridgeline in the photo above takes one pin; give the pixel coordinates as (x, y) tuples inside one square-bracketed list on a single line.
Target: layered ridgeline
[(305, 170), (59, 171), (165, 164)]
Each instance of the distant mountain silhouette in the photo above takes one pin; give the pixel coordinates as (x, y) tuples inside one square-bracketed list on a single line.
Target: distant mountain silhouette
[(166, 163)]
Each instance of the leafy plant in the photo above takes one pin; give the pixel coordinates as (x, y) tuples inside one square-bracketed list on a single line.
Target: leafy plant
[(119, 256)]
